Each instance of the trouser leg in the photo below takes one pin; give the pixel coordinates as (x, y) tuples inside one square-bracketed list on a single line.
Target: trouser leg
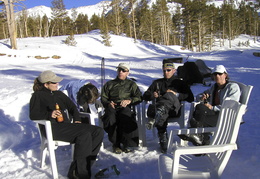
[(168, 104), (110, 124), (127, 128), (87, 139), (204, 116)]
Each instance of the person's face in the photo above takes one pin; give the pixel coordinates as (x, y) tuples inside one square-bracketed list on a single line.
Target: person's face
[(51, 86), (220, 78), (122, 73), (168, 72)]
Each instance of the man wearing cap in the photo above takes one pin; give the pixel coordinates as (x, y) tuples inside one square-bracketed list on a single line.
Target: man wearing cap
[(167, 93), (87, 138), (206, 113), (117, 96)]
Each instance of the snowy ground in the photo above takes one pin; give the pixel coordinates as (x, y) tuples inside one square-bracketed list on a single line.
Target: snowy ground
[(19, 144)]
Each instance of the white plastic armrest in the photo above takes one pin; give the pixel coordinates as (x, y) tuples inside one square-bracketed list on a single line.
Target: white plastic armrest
[(193, 130), (43, 122), (204, 149)]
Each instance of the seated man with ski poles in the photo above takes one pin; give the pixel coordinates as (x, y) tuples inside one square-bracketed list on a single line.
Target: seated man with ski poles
[(167, 92)]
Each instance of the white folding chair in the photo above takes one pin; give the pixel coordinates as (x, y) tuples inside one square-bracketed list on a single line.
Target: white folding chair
[(93, 115), (180, 162), (50, 145)]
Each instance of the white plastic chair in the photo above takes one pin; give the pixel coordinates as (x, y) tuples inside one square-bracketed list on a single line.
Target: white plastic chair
[(182, 163), (50, 145), (93, 115), (245, 94)]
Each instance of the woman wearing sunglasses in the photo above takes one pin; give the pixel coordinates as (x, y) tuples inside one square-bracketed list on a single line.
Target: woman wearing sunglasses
[(206, 113), (87, 138)]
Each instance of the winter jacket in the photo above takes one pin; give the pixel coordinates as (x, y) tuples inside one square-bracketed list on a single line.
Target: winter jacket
[(43, 102), (162, 85), (231, 90), (117, 90)]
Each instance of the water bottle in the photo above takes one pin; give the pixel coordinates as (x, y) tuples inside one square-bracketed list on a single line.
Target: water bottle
[(108, 172)]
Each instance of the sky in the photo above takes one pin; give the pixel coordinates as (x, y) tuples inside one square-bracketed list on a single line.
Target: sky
[(20, 142), (68, 3)]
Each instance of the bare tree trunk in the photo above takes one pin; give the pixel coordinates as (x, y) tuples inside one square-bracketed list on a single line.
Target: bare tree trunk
[(199, 35), (40, 27), (5, 36), (11, 22), (229, 33)]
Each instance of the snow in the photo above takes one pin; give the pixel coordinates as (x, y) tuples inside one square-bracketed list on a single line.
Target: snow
[(20, 142)]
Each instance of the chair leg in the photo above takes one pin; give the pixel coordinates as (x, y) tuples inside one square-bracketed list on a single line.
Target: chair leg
[(43, 156), (53, 163)]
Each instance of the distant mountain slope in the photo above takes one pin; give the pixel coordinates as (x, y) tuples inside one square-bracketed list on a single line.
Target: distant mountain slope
[(88, 10), (105, 6)]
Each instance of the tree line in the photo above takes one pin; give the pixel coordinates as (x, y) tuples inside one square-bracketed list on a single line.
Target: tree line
[(194, 25)]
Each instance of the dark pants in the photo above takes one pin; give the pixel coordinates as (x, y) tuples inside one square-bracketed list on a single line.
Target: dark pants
[(121, 126), (87, 139), (172, 107), (204, 117)]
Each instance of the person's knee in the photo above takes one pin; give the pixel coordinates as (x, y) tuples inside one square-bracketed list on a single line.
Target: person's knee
[(200, 107)]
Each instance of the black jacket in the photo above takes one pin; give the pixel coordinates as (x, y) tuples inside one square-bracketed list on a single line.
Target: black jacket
[(173, 83), (43, 102)]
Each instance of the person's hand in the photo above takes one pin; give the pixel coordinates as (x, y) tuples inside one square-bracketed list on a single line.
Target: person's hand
[(77, 122), (55, 113), (124, 103), (112, 104), (204, 97), (155, 94), (171, 91), (209, 106)]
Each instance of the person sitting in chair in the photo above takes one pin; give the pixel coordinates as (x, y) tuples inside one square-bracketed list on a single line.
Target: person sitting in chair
[(167, 93), (206, 113), (87, 138), (82, 93), (117, 96)]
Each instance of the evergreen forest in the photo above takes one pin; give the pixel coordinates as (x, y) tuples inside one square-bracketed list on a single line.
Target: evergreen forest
[(194, 25)]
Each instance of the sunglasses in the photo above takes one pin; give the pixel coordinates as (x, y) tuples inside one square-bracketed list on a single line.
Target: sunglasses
[(52, 83), (167, 70), (215, 74), (123, 70)]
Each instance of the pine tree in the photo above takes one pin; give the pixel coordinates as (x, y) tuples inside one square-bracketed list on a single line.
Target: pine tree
[(59, 13), (104, 30), (133, 18), (177, 27), (115, 18), (163, 21), (70, 40), (82, 24), (95, 22), (146, 22)]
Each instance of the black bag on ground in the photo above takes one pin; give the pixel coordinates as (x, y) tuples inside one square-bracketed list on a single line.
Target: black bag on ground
[(190, 73), (204, 70)]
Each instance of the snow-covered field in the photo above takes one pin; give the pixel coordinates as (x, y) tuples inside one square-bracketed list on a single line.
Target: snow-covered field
[(19, 144)]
